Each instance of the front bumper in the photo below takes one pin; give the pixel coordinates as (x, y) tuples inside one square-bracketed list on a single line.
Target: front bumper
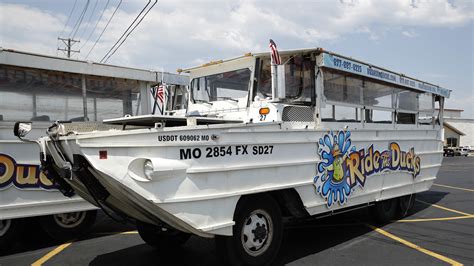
[(79, 176)]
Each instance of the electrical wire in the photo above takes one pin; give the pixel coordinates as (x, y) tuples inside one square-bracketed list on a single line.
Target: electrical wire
[(65, 25), (68, 18), (79, 21), (95, 26), (131, 24), (89, 19), (100, 36), (156, 1)]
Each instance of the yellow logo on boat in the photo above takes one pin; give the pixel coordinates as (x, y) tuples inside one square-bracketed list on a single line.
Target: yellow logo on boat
[(22, 176)]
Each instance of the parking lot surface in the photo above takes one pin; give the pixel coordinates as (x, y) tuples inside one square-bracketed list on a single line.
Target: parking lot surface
[(439, 230)]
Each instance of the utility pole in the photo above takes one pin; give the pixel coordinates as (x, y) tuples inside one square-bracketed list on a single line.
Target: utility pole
[(69, 43)]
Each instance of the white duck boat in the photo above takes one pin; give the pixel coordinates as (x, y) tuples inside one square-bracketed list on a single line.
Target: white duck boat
[(316, 134)]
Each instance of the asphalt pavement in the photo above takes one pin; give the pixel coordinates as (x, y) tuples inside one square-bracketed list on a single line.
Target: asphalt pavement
[(439, 230)]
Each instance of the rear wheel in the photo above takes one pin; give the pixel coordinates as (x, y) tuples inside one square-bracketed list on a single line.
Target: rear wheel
[(385, 210), (160, 237), (66, 226), (257, 233), (9, 230), (405, 204)]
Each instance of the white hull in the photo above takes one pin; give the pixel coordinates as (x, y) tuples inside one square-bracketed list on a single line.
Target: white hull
[(199, 194)]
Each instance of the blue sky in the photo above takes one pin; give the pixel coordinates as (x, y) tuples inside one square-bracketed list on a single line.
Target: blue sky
[(430, 40)]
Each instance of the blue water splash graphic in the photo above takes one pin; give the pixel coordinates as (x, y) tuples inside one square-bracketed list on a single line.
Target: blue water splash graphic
[(332, 179)]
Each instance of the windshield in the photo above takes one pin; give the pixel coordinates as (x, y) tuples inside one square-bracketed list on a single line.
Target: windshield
[(299, 79), (230, 85)]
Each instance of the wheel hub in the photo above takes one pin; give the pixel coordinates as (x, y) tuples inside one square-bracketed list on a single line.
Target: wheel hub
[(260, 232), (257, 233), (69, 220)]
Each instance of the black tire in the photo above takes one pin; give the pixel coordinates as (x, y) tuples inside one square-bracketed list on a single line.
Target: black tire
[(67, 226), (384, 211), (237, 249), (160, 237), (405, 204), (9, 231)]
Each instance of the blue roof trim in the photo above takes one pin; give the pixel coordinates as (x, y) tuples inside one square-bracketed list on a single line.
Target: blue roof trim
[(356, 67)]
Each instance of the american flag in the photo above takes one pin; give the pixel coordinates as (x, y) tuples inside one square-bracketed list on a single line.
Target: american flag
[(275, 55), (160, 93)]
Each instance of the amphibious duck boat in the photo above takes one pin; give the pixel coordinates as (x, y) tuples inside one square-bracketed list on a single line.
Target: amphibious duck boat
[(317, 134)]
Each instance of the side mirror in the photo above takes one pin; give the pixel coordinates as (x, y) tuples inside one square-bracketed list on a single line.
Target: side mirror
[(22, 129)]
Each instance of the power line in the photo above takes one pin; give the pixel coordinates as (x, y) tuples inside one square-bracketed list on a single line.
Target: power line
[(89, 19), (96, 23), (131, 24), (68, 18), (113, 14), (79, 21), (65, 25), (156, 1)]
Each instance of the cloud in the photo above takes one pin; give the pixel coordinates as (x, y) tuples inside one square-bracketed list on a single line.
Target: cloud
[(187, 33), (176, 33), (29, 28), (410, 33)]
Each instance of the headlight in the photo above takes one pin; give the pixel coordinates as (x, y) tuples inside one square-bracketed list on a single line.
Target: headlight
[(148, 169)]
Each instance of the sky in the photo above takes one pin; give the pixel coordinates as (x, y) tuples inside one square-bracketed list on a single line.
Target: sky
[(431, 40)]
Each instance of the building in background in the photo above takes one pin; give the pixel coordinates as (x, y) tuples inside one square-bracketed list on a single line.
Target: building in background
[(458, 131)]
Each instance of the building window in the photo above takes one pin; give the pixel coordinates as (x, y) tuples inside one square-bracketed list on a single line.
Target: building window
[(452, 142)]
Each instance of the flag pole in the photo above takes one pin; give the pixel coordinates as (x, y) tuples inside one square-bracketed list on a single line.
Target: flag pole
[(155, 103), (274, 80), (273, 68), (163, 104)]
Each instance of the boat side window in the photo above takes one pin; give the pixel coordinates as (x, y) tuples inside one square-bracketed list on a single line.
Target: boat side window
[(44, 95), (343, 94), (438, 105), (407, 106), (379, 101), (110, 98), (378, 116), (231, 85), (341, 88), (407, 100), (349, 98), (264, 80), (426, 109), (199, 90), (340, 113), (177, 97), (378, 95), (328, 112)]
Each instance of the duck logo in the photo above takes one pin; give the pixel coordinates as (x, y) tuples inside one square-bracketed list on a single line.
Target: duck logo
[(343, 167)]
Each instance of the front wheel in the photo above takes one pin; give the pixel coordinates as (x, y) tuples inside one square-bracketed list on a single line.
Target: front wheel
[(160, 237), (257, 233)]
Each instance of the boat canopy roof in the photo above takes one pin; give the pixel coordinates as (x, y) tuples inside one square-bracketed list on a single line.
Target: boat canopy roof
[(339, 62)]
